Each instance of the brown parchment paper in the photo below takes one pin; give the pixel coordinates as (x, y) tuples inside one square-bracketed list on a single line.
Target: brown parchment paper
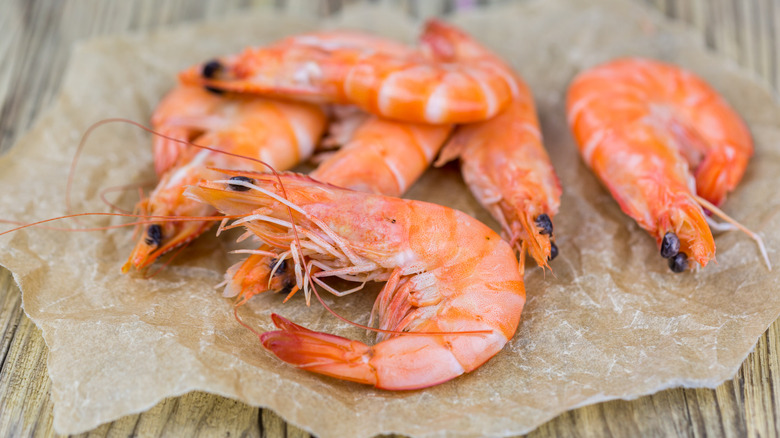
[(612, 322)]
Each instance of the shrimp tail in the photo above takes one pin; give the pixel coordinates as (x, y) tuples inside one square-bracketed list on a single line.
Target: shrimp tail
[(166, 150), (719, 175), (400, 363), (452, 150), (446, 42), (320, 352)]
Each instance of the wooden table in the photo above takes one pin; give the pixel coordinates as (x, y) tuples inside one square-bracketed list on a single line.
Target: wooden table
[(35, 42)]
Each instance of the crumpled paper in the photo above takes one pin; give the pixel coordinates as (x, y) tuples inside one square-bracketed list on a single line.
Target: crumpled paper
[(611, 322)]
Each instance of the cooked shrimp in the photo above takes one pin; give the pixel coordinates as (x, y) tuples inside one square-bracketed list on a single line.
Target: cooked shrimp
[(664, 143), (401, 86), (279, 133), (502, 159), (382, 157), (446, 272)]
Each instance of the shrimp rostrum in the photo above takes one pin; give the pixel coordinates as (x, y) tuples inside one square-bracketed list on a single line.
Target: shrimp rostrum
[(453, 295)]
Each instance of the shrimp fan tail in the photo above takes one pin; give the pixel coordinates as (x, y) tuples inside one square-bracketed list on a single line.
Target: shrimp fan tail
[(321, 353)]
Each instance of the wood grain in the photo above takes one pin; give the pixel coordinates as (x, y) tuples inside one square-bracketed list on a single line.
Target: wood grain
[(35, 42)]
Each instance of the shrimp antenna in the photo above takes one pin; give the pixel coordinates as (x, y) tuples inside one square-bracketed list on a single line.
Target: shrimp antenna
[(718, 212), (80, 149), (95, 125), (246, 326), (121, 188), (146, 219)]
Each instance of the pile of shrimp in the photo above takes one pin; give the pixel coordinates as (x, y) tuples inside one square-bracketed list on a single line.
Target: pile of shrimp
[(377, 114), (454, 289)]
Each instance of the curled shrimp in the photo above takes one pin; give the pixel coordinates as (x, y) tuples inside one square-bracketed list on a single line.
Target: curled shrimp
[(388, 82), (502, 159), (381, 156), (664, 143), (445, 271), (279, 133)]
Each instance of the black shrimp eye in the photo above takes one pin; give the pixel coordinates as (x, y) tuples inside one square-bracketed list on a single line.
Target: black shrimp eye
[(211, 69), (282, 269), (543, 221), (153, 235), (670, 245), (553, 251), (239, 187), (679, 262)]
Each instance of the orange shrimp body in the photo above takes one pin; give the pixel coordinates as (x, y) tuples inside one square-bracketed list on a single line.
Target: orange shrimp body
[(383, 157), (401, 86), (647, 130), (183, 114), (502, 159), (445, 272), (279, 133)]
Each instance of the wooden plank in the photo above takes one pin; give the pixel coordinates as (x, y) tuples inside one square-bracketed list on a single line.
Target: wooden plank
[(10, 314), (35, 41), (24, 384)]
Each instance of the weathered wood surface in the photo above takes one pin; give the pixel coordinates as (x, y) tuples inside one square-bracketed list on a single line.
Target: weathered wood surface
[(35, 42)]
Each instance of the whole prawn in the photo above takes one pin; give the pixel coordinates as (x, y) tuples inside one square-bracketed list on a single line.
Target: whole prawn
[(279, 133), (388, 82), (502, 159), (665, 144), (445, 271)]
